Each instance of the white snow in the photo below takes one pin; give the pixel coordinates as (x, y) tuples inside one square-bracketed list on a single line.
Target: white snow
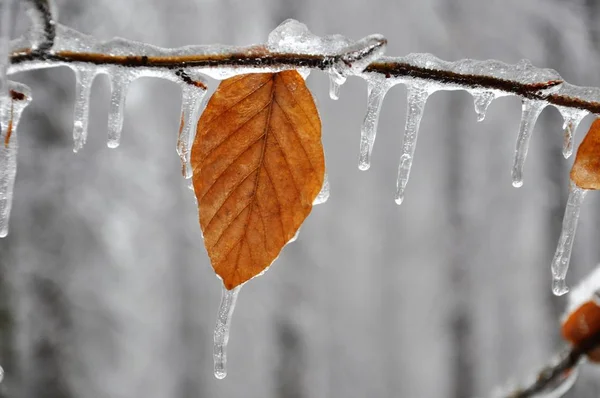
[(530, 113), (560, 262), (588, 289), (119, 82), (292, 36), (221, 336)]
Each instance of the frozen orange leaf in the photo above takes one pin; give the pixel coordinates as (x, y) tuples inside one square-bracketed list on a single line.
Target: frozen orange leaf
[(258, 165), (583, 324), (586, 169)]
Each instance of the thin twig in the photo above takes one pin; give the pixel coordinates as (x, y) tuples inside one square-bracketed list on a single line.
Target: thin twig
[(265, 59), (552, 374), (261, 58), (41, 12)]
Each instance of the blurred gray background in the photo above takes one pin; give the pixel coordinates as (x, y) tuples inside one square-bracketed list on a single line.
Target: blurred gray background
[(106, 290)]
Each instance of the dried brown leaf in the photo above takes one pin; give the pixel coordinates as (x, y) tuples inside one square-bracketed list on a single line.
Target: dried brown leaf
[(586, 168), (258, 165), (581, 325)]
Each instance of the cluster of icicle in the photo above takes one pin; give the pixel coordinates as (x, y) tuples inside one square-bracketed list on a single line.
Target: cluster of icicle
[(293, 36), (349, 58), (523, 72)]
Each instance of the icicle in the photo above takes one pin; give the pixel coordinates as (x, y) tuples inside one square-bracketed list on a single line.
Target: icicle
[(572, 118), (191, 105), (221, 337), (10, 116), (1, 374), (417, 97), (335, 81), (119, 83), (84, 78), (482, 101), (531, 111), (324, 194), (376, 92), (560, 263)]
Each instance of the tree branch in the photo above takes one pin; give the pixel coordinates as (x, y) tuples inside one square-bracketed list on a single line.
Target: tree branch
[(40, 13), (258, 58), (552, 375)]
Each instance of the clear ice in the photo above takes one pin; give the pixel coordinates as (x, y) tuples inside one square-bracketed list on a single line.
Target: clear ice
[(191, 107), (10, 115), (221, 336), (84, 77), (335, 81), (482, 101), (417, 97), (572, 117), (560, 262), (376, 92), (531, 111), (324, 193), (119, 82)]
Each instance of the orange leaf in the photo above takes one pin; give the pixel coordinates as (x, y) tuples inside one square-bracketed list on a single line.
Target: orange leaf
[(581, 325), (586, 168), (258, 165)]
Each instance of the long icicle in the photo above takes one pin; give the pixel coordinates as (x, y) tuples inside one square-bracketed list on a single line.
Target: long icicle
[(83, 87), (221, 336), (8, 152), (531, 111), (376, 92), (119, 83), (417, 97), (191, 105), (560, 262)]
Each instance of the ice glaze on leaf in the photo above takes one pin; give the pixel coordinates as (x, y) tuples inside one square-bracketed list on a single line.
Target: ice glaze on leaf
[(258, 165), (586, 168)]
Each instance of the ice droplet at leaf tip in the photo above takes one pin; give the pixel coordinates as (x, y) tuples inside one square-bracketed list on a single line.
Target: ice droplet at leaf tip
[(222, 329), (517, 183)]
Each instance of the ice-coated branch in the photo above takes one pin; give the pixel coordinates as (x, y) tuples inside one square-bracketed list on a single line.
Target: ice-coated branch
[(557, 378), (42, 17), (352, 59), (260, 58)]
